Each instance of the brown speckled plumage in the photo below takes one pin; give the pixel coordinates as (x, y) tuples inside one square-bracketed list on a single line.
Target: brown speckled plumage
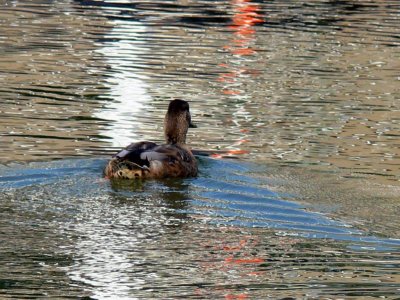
[(149, 160)]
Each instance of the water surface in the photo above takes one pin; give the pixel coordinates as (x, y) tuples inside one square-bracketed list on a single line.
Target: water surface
[(68, 232), (310, 89)]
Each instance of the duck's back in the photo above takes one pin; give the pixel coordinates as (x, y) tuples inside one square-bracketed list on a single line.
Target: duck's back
[(149, 160)]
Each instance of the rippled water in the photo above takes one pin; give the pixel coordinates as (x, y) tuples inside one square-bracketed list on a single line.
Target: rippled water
[(225, 234), (310, 89)]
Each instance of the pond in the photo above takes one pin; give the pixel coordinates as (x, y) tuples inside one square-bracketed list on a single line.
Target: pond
[(303, 94)]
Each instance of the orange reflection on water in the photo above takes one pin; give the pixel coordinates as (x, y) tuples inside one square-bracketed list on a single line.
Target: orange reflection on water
[(236, 297), (245, 17), (236, 259)]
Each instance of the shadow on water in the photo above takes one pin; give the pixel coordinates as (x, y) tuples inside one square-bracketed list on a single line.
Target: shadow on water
[(227, 232)]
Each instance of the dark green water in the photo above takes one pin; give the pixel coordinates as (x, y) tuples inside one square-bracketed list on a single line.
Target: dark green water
[(310, 89)]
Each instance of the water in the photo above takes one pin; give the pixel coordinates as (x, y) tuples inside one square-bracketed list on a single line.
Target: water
[(68, 232), (309, 89)]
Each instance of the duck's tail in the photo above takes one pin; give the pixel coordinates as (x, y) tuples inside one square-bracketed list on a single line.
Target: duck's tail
[(124, 169)]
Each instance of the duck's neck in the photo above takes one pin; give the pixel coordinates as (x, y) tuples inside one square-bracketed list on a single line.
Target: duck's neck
[(174, 140), (175, 129)]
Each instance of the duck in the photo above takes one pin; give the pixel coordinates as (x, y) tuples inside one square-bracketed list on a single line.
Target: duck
[(142, 160)]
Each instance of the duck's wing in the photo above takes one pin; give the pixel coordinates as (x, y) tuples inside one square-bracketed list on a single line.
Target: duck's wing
[(133, 153), (170, 161), (148, 160), (143, 152), (170, 153)]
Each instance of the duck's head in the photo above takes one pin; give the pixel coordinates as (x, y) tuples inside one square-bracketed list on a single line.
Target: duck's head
[(177, 121)]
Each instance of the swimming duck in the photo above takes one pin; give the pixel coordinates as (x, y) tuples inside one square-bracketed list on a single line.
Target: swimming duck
[(149, 160)]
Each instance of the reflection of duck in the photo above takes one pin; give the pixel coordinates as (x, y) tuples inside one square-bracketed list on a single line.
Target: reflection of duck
[(149, 160)]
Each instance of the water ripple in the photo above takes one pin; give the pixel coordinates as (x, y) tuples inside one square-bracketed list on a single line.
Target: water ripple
[(319, 93), (309, 88), (176, 237)]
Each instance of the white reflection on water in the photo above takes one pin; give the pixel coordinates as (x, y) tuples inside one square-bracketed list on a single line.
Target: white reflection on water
[(102, 268), (106, 255), (128, 91)]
